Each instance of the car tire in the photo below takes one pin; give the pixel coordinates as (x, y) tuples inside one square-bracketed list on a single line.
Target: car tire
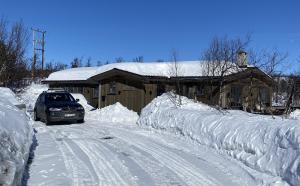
[(35, 117), (80, 121)]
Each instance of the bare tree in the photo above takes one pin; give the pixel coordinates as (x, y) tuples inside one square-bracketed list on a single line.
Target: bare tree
[(13, 44), (175, 72), (99, 63), (88, 62), (268, 60), (139, 59), (76, 63), (119, 60), (220, 59)]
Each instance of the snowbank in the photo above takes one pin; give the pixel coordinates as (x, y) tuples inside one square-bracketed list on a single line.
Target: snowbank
[(116, 113), (30, 94), (295, 114), (268, 145), (15, 140), (82, 101)]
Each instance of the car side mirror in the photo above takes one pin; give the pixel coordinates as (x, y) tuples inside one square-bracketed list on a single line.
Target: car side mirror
[(77, 100)]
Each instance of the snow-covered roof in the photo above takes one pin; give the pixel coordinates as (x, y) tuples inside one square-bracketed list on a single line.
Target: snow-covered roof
[(161, 69)]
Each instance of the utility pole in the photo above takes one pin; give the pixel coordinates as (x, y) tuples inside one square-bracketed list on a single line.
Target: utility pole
[(38, 45)]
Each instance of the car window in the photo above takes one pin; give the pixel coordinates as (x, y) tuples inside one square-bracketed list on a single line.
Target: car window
[(59, 97), (42, 99)]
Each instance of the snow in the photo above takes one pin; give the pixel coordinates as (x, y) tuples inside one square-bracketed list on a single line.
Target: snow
[(83, 101), (30, 94), (295, 114), (115, 113), (268, 145), (186, 68), (101, 152), (9, 95), (15, 139)]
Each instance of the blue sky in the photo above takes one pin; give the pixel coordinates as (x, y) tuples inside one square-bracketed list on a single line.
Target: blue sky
[(107, 29)]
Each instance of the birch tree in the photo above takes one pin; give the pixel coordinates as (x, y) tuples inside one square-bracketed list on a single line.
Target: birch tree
[(220, 59)]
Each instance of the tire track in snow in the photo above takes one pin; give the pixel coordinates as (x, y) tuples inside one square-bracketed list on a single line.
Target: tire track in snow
[(184, 169), (107, 162), (80, 172)]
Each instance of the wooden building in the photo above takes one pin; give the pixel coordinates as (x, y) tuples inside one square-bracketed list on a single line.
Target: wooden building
[(134, 85)]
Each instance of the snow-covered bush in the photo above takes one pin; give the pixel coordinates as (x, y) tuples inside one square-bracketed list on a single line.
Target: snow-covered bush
[(15, 140), (116, 113), (265, 144)]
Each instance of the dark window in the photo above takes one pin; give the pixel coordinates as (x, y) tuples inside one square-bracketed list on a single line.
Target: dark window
[(80, 90), (264, 95), (42, 99), (96, 92), (112, 88), (103, 98), (200, 90), (59, 97), (236, 93)]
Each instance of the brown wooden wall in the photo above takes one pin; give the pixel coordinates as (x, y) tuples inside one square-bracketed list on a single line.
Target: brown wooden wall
[(133, 95)]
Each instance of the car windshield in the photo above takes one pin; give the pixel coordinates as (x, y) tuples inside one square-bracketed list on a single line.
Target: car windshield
[(59, 97)]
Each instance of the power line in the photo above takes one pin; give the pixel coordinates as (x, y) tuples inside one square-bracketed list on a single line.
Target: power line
[(38, 45)]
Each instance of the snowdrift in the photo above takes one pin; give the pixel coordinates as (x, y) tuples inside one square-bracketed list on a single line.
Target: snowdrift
[(115, 113), (82, 101), (268, 145), (31, 93), (15, 140)]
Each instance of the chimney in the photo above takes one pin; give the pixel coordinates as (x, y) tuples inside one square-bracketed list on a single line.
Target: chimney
[(242, 58)]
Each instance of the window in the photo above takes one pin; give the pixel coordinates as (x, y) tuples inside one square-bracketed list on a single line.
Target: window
[(80, 90), (58, 97), (200, 90), (236, 93), (96, 92), (264, 95), (112, 88)]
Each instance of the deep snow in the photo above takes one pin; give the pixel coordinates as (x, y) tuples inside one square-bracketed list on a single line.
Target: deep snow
[(262, 143), (99, 152), (15, 139)]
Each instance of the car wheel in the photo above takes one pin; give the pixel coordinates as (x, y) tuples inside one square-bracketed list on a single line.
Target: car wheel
[(80, 121), (35, 117)]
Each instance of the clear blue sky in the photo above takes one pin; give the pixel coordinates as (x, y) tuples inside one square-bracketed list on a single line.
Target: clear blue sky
[(107, 29)]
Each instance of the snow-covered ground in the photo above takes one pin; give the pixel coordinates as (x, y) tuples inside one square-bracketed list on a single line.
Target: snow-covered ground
[(192, 145), (15, 139), (268, 145)]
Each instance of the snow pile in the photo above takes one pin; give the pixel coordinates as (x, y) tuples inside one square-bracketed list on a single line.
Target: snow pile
[(115, 113), (271, 146), (295, 114), (15, 140), (30, 94), (9, 95), (82, 101)]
